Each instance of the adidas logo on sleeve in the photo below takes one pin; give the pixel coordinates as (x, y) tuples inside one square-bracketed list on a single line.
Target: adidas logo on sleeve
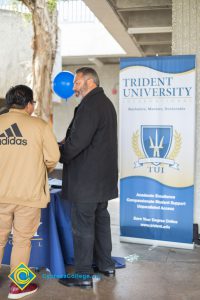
[(12, 136)]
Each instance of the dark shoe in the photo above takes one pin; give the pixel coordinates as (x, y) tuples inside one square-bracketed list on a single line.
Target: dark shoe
[(16, 293), (80, 280), (108, 273)]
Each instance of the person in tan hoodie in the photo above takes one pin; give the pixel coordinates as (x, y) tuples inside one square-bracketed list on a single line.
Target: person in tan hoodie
[(28, 151)]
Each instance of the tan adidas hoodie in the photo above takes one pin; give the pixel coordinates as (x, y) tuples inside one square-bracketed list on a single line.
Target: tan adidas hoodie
[(28, 149)]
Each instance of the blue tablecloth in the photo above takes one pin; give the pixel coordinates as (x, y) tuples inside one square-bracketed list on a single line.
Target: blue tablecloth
[(52, 244)]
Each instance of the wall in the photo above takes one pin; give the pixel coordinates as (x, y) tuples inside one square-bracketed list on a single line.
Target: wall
[(15, 50), (186, 40)]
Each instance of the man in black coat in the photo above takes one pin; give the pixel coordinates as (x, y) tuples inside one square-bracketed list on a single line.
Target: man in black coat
[(90, 175)]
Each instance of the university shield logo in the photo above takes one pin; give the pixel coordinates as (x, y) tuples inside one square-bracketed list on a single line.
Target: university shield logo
[(156, 145), (156, 141)]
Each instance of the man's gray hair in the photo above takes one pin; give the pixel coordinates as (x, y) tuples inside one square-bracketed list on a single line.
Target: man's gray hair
[(90, 72)]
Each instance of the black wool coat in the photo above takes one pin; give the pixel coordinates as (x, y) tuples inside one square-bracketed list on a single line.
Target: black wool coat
[(89, 154)]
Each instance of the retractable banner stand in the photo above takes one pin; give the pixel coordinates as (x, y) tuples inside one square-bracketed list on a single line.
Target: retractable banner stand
[(157, 141)]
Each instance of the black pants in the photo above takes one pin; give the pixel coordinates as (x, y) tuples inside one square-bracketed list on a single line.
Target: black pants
[(91, 236)]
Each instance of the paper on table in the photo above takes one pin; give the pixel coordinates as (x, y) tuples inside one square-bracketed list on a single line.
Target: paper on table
[(53, 182)]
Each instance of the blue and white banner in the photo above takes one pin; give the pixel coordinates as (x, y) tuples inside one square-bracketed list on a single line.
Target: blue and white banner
[(157, 142)]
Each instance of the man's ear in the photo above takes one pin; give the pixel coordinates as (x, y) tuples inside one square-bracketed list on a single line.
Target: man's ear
[(28, 108), (91, 83)]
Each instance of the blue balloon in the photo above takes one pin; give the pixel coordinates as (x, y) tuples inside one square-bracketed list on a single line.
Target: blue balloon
[(63, 84)]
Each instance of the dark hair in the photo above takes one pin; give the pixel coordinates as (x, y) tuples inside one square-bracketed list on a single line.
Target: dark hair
[(19, 96), (91, 72)]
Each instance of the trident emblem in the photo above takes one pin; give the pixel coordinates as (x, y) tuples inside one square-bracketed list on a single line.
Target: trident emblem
[(156, 148)]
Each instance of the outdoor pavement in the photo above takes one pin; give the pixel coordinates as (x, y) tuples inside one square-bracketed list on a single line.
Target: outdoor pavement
[(151, 273)]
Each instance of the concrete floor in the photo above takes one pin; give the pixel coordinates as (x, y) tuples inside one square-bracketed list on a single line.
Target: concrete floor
[(154, 274)]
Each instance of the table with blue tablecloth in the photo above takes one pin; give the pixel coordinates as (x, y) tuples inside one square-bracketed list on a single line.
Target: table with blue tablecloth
[(52, 244)]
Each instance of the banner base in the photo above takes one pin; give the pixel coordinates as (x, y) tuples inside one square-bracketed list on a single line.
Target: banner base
[(157, 243)]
